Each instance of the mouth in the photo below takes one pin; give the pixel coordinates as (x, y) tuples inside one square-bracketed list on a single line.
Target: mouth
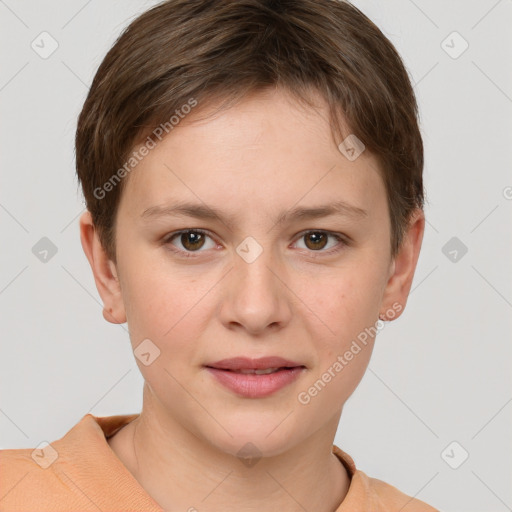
[(255, 378), (254, 371), (250, 365)]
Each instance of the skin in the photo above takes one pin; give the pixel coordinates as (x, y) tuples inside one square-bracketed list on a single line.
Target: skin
[(262, 157)]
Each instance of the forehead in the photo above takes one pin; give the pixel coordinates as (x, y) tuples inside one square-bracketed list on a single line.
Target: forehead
[(265, 151)]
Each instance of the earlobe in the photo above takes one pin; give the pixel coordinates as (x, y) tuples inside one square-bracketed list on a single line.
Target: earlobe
[(403, 268), (104, 271)]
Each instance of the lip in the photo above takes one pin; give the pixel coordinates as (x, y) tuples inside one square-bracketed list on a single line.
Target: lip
[(253, 385), (247, 363)]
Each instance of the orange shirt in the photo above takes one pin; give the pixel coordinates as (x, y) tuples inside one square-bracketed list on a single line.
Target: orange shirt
[(80, 472)]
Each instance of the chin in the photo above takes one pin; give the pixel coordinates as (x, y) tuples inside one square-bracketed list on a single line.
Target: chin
[(254, 437)]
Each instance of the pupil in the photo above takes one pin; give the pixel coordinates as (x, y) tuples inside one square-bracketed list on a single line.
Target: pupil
[(189, 240), (317, 239)]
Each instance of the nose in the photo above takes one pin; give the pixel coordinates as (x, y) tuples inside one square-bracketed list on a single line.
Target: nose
[(257, 298)]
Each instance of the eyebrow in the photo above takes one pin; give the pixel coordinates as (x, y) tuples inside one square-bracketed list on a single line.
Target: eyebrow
[(201, 211)]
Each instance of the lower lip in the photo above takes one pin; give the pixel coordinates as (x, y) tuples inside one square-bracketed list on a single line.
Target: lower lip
[(253, 385)]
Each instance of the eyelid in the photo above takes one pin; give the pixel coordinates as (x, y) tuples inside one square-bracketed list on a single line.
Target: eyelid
[(343, 242), (343, 239), (187, 254)]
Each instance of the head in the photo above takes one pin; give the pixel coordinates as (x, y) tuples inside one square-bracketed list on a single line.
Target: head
[(247, 110)]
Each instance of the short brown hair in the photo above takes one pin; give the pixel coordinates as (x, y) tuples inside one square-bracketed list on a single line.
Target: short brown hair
[(220, 51)]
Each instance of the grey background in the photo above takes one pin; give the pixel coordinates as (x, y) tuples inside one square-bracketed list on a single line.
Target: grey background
[(440, 373)]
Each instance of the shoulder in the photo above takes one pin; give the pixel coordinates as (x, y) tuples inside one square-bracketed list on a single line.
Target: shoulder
[(17, 464), (44, 464), (27, 477), (392, 499), (366, 493), (46, 477), (76, 472), (14, 465)]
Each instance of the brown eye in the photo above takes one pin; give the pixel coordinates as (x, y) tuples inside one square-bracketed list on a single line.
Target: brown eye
[(316, 240), (191, 241)]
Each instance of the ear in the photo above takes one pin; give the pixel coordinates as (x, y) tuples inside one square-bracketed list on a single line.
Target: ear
[(403, 267), (104, 271)]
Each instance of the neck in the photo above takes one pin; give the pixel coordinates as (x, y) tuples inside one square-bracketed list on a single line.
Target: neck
[(182, 471)]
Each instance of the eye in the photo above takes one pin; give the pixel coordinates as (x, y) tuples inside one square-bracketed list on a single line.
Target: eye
[(316, 240), (190, 239)]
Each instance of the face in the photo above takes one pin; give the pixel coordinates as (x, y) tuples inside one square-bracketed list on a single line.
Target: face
[(256, 280)]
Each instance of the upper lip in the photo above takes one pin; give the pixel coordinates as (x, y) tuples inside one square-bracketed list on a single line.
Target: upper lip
[(247, 363)]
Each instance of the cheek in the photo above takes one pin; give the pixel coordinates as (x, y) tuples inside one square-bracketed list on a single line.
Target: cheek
[(343, 356), (166, 305), (152, 299), (148, 300), (347, 300)]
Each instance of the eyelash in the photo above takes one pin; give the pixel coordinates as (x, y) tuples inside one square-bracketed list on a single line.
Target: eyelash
[(191, 254)]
